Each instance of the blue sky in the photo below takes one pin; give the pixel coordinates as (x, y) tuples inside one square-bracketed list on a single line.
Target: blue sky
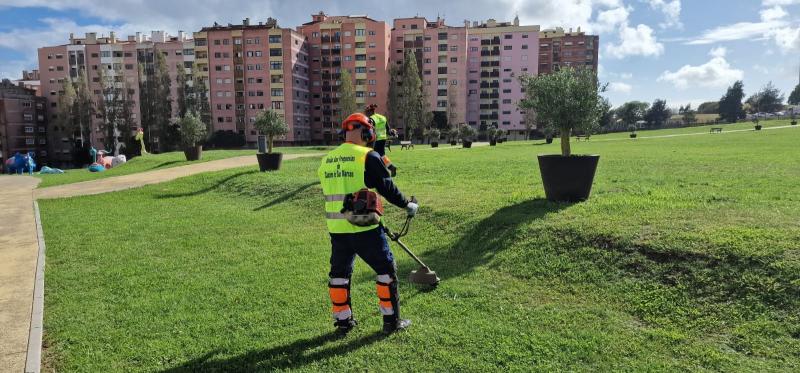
[(681, 51)]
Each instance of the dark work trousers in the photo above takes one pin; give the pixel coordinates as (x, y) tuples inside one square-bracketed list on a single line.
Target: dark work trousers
[(380, 147), (372, 246)]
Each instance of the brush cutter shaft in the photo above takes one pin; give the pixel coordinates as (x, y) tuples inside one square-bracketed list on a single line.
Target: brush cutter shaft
[(410, 253)]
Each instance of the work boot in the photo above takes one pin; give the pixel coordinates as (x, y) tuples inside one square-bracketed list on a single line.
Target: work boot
[(393, 326), (344, 326)]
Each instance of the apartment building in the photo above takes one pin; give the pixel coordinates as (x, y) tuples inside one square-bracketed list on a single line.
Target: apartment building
[(356, 43), (253, 67), (119, 60), (441, 53), (30, 80), (558, 48), (23, 123)]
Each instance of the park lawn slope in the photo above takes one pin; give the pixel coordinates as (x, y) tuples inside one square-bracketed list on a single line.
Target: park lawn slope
[(686, 257), (152, 162)]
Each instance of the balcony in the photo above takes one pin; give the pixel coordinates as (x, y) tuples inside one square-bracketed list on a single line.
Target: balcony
[(486, 53), (486, 42), (496, 40)]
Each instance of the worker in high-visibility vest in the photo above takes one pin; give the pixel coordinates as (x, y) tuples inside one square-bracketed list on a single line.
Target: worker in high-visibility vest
[(382, 131), (353, 169)]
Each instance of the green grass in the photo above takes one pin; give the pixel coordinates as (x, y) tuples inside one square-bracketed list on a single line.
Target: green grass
[(154, 162), (686, 257)]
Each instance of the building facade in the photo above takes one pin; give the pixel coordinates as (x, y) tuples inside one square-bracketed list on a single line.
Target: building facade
[(499, 53), (253, 67), (441, 53), (23, 123), (30, 80), (558, 48), (119, 62), (356, 43)]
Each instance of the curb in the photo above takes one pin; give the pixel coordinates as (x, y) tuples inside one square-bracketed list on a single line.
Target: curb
[(33, 359)]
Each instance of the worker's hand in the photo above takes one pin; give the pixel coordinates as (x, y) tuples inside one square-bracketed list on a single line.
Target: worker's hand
[(412, 208), (393, 132)]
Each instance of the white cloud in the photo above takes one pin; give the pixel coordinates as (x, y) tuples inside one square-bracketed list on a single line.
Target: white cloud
[(635, 41), (609, 20), (619, 87), (774, 27), (715, 73), (671, 10)]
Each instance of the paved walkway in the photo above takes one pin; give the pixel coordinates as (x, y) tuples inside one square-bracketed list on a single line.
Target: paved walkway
[(18, 252), (19, 244), (123, 182)]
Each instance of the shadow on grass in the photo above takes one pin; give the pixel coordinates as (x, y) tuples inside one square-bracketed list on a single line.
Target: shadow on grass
[(209, 188), (293, 355), (166, 164), (286, 196), (484, 239)]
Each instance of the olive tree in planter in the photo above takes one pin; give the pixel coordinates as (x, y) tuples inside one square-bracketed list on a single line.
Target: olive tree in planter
[(193, 132), (548, 134), (493, 133), (756, 123), (567, 100), (433, 135), (466, 133), (632, 128), (271, 125), (794, 119)]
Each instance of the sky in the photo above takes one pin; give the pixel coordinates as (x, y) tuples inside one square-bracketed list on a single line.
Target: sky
[(686, 51)]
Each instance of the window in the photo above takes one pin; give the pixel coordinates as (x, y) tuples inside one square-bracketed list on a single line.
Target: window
[(453, 59), (454, 82), (277, 92), (360, 32), (524, 36), (453, 48), (275, 65), (315, 34), (371, 33), (373, 94), (507, 47), (524, 57), (508, 36), (275, 52), (426, 72), (442, 36), (442, 81), (442, 47), (507, 101), (524, 46), (442, 70), (426, 49), (361, 69), (277, 105), (217, 42)]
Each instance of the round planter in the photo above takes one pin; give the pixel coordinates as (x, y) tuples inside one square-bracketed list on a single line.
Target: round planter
[(193, 153), (466, 144), (633, 135), (567, 179), (434, 145), (493, 143), (453, 143), (548, 140), (269, 161), (758, 127), (794, 122)]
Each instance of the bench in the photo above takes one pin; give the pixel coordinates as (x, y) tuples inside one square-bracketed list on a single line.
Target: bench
[(584, 137), (715, 129), (406, 145)]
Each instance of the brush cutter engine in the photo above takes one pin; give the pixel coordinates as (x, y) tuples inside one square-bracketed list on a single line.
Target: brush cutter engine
[(363, 208)]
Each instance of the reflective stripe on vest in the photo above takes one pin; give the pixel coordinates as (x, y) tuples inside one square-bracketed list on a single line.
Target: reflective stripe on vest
[(342, 173), (380, 126)]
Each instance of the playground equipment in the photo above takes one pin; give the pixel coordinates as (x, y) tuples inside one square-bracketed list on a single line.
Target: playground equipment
[(102, 161), (20, 163)]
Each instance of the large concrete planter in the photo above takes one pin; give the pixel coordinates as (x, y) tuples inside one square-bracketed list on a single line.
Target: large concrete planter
[(567, 179)]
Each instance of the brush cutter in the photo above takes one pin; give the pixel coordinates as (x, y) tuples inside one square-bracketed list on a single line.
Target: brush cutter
[(423, 275)]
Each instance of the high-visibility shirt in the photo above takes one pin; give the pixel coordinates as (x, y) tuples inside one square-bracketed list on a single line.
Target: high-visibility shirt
[(380, 126), (342, 173)]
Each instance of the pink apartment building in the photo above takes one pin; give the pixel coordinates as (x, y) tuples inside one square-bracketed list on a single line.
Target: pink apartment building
[(254, 67), (356, 43), (23, 123), (499, 52), (441, 53), (119, 59)]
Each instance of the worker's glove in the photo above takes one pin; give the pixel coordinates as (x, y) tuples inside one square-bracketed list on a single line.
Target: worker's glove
[(393, 132), (412, 208)]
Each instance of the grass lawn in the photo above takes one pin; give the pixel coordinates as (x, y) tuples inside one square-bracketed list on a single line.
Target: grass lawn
[(154, 162), (686, 257)]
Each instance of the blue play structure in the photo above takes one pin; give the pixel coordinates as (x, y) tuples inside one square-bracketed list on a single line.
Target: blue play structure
[(20, 163)]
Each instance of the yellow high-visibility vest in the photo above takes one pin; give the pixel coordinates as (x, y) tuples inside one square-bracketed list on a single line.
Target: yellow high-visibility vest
[(380, 126), (342, 173)]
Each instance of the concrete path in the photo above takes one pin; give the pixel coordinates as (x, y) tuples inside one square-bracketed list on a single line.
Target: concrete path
[(123, 182), (19, 244), (696, 134), (18, 253)]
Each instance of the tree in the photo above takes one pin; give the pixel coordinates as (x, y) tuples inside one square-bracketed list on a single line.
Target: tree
[(687, 114), (452, 106), (192, 130), (768, 100), (347, 97), (197, 97), (607, 116), (393, 99), (115, 108), (658, 114), (794, 97), (407, 99), (568, 99), (529, 117), (84, 110), (163, 102), (710, 107), (182, 91), (632, 112), (730, 105), (272, 125), (66, 108)]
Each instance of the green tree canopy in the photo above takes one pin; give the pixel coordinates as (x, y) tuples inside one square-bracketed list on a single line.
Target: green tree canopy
[(347, 96), (272, 125), (730, 105), (710, 107), (794, 97), (568, 99), (768, 100), (192, 130), (632, 111), (658, 114)]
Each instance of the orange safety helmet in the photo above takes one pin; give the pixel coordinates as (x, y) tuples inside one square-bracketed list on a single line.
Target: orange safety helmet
[(362, 120)]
